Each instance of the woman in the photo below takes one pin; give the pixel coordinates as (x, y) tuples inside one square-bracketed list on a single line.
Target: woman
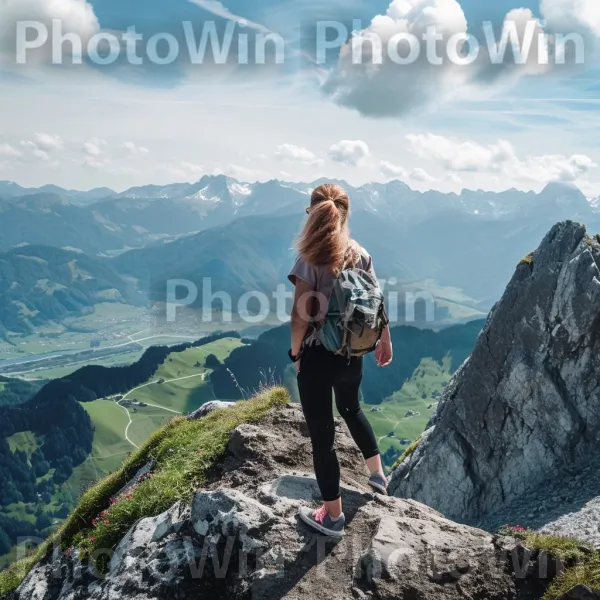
[(325, 248)]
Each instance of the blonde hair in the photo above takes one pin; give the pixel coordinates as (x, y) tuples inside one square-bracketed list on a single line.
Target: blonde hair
[(325, 239)]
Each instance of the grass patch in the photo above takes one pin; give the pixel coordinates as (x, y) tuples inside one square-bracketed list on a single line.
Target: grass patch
[(528, 260), (587, 573), (585, 569), (567, 549), (12, 577), (184, 452)]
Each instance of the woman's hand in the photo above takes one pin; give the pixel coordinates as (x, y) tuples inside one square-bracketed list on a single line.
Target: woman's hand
[(384, 353)]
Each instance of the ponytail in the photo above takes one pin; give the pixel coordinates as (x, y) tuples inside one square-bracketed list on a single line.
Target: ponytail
[(325, 239)]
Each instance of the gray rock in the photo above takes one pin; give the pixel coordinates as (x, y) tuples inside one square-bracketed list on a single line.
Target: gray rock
[(241, 538), (209, 407), (527, 401), (422, 550), (580, 592)]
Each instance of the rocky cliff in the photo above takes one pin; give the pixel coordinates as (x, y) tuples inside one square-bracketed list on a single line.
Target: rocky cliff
[(526, 404), (239, 538)]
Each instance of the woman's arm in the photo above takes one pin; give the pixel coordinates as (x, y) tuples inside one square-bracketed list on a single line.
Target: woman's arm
[(301, 314), (384, 353)]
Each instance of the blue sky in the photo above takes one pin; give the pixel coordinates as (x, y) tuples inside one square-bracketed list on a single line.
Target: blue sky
[(448, 128)]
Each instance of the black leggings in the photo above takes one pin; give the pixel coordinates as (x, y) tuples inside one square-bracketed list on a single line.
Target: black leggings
[(321, 372)]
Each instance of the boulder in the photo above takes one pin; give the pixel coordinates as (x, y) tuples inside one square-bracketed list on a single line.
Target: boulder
[(209, 407)]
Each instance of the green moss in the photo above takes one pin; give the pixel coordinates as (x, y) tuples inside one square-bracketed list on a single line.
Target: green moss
[(408, 452), (184, 452), (528, 260), (567, 549), (12, 577), (583, 561)]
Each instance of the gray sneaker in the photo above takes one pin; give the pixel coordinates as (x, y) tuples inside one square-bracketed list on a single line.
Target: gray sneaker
[(321, 521), (379, 483)]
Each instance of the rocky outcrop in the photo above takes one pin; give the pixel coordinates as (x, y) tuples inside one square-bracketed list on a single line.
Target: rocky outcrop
[(209, 407), (240, 538), (526, 404)]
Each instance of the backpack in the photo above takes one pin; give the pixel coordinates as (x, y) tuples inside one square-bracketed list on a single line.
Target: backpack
[(356, 316)]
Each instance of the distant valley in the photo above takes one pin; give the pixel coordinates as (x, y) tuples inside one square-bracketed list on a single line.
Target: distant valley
[(459, 248), (116, 409)]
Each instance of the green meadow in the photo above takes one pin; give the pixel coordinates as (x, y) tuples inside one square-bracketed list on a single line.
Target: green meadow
[(391, 419)]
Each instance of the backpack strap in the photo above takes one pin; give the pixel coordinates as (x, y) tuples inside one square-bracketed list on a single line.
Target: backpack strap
[(339, 296)]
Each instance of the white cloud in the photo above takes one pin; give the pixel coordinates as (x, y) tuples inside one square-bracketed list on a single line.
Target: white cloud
[(499, 157), (454, 178), (565, 15), (390, 170), (75, 16), (550, 167), (461, 155), (216, 8), (239, 172), (371, 78), (419, 174), (349, 152), (391, 89), (291, 153), (7, 151), (94, 154), (47, 142), (94, 147), (135, 150), (42, 146)]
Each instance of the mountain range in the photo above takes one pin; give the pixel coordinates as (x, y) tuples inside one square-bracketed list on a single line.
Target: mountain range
[(241, 235), (42, 284)]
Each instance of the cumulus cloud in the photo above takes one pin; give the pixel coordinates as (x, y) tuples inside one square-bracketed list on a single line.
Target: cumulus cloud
[(94, 154), (135, 150), (499, 157), (388, 88), (567, 15), (461, 155), (419, 174), (240, 172), (550, 167), (350, 152), (75, 16), (48, 142), (390, 170), (380, 73), (7, 151), (291, 153), (42, 146)]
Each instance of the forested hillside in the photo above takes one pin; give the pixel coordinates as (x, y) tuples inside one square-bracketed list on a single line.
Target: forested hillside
[(265, 360), (41, 285), (44, 437)]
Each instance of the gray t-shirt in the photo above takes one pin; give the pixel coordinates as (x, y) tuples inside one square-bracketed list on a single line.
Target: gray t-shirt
[(320, 278)]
